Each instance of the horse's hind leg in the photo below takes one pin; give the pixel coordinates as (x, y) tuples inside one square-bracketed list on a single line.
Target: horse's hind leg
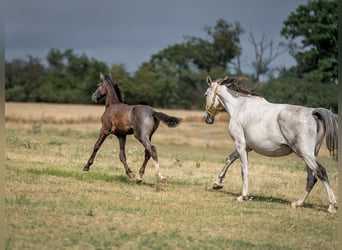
[(152, 151), (97, 146), (322, 175), (319, 171), (142, 169), (156, 163), (230, 159), (122, 156), (310, 182)]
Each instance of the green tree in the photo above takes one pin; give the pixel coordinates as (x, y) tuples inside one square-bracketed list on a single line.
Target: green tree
[(91, 78), (180, 70), (298, 91), (167, 77), (175, 54), (69, 78), (22, 77), (315, 25), (125, 82), (221, 48), (56, 59), (144, 89)]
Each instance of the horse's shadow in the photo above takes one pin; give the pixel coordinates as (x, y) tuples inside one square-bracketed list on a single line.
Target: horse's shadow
[(272, 199), (251, 198)]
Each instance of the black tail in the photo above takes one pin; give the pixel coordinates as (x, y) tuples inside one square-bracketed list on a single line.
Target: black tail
[(330, 127), (170, 121)]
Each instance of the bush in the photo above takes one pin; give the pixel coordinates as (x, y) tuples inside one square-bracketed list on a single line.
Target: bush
[(301, 92)]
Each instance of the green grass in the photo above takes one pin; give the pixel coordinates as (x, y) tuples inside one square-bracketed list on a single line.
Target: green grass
[(92, 176), (52, 204)]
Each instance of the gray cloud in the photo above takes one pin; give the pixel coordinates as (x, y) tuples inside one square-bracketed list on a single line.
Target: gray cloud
[(130, 31)]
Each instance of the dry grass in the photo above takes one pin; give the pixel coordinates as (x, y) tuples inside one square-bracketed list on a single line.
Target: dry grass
[(52, 204), (76, 114)]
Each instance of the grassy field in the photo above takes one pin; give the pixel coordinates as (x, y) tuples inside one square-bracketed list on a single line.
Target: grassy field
[(52, 204)]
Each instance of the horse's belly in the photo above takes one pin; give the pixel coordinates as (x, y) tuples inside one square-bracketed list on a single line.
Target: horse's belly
[(127, 131), (270, 149)]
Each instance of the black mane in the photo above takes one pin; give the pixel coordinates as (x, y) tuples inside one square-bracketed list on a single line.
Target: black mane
[(235, 83), (116, 89)]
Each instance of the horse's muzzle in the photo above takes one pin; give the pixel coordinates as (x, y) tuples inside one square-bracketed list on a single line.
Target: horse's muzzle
[(208, 119), (94, 98)]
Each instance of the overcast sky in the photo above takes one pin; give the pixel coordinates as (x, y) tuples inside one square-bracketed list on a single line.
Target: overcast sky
[(130, 31)]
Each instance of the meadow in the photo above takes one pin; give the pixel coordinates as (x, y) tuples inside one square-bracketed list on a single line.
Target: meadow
[(52, 204)]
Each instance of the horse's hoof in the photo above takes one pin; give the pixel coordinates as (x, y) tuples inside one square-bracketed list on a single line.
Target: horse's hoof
[(139, 180), (295, 204), (86, 168), (217, 186), (242, 198), (332, 209), (163, 180), (131, 176)]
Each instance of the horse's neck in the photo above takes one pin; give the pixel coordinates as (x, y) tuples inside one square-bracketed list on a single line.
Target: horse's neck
[(111, 97), (232, 101), (228, 100)]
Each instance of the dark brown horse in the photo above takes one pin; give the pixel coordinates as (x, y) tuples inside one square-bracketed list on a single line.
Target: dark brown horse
[(121, 120)]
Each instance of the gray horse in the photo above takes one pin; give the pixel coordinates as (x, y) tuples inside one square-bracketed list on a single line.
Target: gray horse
[(272, 130)]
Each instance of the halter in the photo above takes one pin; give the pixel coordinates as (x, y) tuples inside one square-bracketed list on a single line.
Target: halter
[(210, 106)]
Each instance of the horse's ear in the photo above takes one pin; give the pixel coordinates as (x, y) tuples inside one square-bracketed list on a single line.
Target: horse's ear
[(102, 78), (209, 81), (110, 76)]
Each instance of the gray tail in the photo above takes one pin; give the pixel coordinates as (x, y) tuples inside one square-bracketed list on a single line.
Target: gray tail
[(330, 123), (170, 121)]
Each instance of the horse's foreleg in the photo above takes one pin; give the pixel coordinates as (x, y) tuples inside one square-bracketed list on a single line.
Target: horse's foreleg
[(244, 174), (142, 169), (97, 146), (122, 156), (230, 159)]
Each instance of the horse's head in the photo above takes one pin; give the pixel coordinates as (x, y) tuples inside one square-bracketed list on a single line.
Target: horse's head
[(101, 89), (213, 106)]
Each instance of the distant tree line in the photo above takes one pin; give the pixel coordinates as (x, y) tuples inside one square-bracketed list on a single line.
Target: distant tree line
[(175, 76)]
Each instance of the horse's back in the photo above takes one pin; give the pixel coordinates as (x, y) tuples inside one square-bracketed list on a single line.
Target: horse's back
[(143, 110)]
